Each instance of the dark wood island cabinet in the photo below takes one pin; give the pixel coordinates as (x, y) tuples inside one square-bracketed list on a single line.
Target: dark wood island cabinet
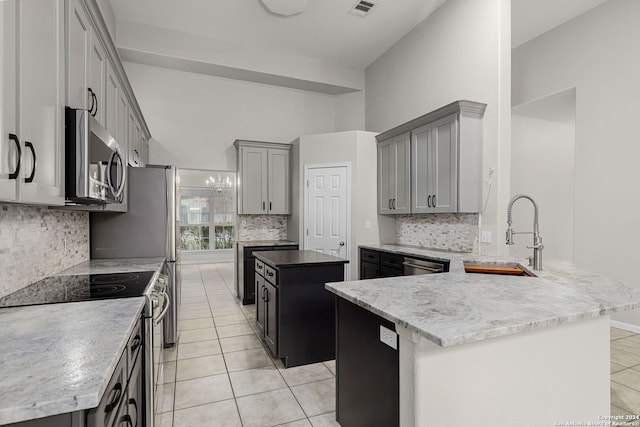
[(245, 284), (295, 314)]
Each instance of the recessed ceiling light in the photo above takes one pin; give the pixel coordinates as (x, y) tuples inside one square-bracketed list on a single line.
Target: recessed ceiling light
[(285, 7)]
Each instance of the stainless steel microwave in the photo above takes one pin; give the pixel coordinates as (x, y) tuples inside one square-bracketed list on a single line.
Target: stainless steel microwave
[(95, 170)]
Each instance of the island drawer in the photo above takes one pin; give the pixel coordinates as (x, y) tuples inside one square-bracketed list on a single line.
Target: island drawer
[(270, 274), (105, 413), (260, 267)]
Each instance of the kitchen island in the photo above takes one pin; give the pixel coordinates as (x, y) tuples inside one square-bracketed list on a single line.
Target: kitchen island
[(295, 314), (489, 350), (57, 360)]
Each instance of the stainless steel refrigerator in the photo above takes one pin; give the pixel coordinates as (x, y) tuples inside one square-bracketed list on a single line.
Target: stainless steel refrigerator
[(149, 229)]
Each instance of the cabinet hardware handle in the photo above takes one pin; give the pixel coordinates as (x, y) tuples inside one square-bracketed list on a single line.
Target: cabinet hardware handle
[(428, 201), (263, 206), (136, 343), (433, 200), (389, 203), (116, 398), (266, 294), (393, 203), (93, 100), (270, 206), (96, 110), (133, 403), (125, 419), (14, 174), (270, 273), (29, 145)]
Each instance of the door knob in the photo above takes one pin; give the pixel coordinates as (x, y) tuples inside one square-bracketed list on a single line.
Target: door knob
[(341, 243)]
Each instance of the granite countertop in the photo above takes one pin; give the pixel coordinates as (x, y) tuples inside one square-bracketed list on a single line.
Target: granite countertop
[(457, 307), (279, 259), (245, 243), (59, 358)]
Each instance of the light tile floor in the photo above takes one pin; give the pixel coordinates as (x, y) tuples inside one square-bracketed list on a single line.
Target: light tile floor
[(625, 372), (220, 374)]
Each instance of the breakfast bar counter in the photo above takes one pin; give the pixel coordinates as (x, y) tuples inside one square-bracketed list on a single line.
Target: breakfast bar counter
[(492, 350)]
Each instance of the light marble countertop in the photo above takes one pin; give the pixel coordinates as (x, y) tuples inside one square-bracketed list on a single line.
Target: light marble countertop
[(105, 266), (457, 307), (59, 358)]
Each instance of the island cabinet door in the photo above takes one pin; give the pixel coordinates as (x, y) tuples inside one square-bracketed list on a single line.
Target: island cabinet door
[(271, 323), (367, 369), (260, 304)]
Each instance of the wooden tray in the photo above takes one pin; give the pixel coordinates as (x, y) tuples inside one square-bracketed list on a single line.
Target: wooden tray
[(494, 269)]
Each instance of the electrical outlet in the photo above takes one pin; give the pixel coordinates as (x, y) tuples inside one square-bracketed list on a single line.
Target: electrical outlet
[(243, 223), (485, 237), (389, 337), (367, 225), (264, 228), (452, 234)]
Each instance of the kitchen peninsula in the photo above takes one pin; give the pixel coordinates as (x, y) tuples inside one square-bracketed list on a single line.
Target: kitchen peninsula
[(486, 350)]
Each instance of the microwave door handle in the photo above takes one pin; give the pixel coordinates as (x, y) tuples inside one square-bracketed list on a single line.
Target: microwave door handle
[(123, 180)]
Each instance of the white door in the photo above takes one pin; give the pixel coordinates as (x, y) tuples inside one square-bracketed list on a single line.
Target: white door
[(327, 210)]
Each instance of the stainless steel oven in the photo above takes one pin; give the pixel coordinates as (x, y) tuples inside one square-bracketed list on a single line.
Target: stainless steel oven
[(157, 307), (414, 266)]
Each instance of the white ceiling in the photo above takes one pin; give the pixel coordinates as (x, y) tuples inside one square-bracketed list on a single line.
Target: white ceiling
[(530, 18), (325, 30), (325, 33)]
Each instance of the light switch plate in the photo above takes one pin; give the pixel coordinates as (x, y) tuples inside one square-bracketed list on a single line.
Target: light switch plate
[(485, 237), (389, 337)]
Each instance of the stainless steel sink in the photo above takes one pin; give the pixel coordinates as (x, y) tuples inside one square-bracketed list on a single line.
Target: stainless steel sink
[(501, 268)]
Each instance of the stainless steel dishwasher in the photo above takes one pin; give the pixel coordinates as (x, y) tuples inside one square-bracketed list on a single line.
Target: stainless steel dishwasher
[(414, 266)]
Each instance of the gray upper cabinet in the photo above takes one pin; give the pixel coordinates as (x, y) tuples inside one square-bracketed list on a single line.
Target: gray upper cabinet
[(445, 161), (394, 163), (264, 171), (434, 167), (78, 34), (32, 113), (97, 76)]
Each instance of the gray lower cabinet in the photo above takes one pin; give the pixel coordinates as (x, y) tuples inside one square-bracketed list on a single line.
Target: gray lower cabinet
[(394, 163), (264, 172), (122, 404)]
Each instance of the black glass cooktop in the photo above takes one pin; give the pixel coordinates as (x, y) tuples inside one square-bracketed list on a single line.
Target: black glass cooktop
[(83, 287)]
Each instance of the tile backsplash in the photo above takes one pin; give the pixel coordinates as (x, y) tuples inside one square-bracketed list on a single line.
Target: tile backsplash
[(36, 242), (454, 232), (262, 227)]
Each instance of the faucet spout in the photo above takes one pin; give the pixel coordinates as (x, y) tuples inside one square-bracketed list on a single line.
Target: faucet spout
[(537, 240)]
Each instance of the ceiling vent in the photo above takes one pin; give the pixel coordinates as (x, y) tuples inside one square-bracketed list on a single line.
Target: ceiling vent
[(362, 8)]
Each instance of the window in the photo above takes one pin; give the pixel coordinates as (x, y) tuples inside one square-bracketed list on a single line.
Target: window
[(207, 211)]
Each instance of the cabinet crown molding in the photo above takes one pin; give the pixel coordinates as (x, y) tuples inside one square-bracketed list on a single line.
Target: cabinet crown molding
[(468, 108), (261, 144)]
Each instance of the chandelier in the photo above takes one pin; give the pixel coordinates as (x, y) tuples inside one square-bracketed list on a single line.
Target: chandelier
[(219, 184)]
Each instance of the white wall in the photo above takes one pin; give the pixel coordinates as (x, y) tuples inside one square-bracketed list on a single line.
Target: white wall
[(548, 179), (358, 148), (461, 51), (194, 119), (597, 53)]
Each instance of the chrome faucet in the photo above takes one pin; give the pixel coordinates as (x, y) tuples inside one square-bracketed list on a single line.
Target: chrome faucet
[(537, 247)]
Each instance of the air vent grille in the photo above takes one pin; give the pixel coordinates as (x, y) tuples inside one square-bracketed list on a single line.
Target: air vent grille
[(362, 8)]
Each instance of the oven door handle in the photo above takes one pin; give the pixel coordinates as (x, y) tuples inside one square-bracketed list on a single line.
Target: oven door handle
[(164, 310)]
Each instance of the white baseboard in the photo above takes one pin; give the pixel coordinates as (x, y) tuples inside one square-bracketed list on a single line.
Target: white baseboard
[(626, 326)]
